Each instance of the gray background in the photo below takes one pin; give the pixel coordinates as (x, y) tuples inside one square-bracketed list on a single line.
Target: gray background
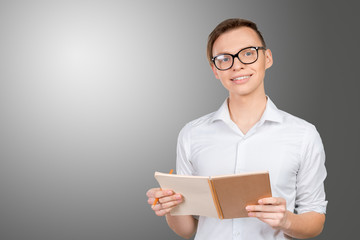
[(89, 112)]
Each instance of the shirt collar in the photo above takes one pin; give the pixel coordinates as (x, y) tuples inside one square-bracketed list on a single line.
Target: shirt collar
[(271, 113)]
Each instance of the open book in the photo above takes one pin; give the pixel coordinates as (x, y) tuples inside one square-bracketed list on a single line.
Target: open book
[(221, 197)]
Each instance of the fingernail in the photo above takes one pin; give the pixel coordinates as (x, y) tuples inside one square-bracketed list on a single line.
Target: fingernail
[(260, 201), (178, 196), (248, 208), (169, 192)]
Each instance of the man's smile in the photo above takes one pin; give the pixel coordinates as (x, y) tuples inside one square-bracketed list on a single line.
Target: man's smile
[(241, 79)]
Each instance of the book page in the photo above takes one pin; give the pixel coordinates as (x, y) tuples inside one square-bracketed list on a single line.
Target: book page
[(195, 190)]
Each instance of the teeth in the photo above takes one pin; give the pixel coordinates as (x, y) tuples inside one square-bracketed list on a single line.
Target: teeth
[(240, 78)]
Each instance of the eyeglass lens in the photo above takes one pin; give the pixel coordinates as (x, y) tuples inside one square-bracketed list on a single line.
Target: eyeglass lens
[(246, 56)]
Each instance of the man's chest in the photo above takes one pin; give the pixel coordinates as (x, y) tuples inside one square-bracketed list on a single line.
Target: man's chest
[(218, 155)]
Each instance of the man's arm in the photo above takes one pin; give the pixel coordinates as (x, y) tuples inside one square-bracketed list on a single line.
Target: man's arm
[(305, 225), (273, 212), (184, 226)]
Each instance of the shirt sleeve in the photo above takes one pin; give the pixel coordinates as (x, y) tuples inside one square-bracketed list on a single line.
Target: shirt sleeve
[(310, 194), (183, 163)]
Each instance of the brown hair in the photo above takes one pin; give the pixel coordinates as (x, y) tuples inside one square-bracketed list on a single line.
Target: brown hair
[(226, 26)]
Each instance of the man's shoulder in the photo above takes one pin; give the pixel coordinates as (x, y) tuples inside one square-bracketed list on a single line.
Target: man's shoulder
[(201, 121), (293, 121), (198, 123)]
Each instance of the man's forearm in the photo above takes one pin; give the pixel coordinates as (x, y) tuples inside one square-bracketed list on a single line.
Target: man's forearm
[(184, 226), (305, 225)]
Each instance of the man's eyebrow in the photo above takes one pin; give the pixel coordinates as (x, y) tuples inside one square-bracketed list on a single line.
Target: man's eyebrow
[(221, 53)]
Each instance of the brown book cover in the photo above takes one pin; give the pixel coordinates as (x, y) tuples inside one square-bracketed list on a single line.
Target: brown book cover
[(223, 196), (235, 192)]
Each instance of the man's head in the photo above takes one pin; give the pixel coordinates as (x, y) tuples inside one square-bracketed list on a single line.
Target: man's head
[(228, 25), (238, 57)]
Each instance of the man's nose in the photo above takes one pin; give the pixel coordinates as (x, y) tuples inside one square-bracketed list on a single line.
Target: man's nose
[(237, 63)]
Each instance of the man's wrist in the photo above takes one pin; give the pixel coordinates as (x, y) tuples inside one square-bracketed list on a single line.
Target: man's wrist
[(288, 220)]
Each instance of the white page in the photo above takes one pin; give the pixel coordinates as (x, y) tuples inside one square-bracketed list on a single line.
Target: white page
[(196, 191)]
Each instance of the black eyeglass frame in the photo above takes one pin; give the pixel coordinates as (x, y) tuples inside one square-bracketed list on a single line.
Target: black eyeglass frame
[(237, 56)]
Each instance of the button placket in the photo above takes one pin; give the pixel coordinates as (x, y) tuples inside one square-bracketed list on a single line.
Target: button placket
[(236, 229), (240, 153)]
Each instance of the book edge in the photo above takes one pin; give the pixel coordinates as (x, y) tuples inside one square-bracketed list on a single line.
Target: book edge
[(215, 199), (240, 174)]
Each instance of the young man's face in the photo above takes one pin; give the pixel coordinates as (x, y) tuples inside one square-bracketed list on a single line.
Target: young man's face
[(242, 79)]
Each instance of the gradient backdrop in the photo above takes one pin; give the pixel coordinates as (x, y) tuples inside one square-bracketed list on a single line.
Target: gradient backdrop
[(94, 93)]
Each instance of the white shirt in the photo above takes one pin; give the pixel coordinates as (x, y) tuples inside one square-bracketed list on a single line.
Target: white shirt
[(286, 146)]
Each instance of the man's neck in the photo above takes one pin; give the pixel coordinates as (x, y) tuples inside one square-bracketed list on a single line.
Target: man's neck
[(246, 111)]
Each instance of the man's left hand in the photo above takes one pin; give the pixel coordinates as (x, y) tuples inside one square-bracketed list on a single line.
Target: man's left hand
[(271, 211)]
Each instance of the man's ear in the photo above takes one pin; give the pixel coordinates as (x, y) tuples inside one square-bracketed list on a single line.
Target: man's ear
[(214, 69), (268, 59)]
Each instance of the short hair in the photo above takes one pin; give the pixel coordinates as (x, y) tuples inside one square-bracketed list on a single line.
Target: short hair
[(226, 26)]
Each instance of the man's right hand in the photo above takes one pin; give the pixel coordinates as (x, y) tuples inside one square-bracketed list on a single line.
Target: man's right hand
[(167, 200)]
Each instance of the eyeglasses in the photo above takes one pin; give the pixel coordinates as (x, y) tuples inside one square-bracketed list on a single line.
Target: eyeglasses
[(246, 56)]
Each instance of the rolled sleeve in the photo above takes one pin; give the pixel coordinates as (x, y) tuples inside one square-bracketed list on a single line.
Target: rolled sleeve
[(310, 194), (183, 163)]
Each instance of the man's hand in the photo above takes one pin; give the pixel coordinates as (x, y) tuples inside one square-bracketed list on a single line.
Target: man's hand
[(271, 211), (167, 200), (185, 226)]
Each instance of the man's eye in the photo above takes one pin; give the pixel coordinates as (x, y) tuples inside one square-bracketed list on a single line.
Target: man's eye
[(248, 54), (223, 59)]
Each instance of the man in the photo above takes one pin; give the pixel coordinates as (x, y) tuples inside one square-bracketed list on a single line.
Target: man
[(248, 133)]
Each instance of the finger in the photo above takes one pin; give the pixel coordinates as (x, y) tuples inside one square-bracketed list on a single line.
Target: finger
[(150, 200), (163, 193), (163, 202), (266, 215), (151, 192), (266, 208), (165, 206), (272, 200), (175, 197), (163, 212), (171, 204), (170, 198)]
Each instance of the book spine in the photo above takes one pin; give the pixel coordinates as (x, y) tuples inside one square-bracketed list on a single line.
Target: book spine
[(215, 199)]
